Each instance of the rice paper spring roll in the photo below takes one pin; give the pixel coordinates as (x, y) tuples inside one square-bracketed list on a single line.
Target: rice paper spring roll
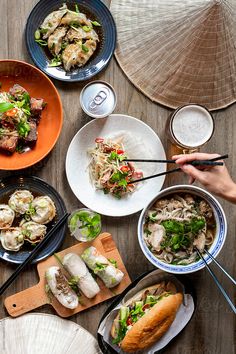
[(77, 268), (60, 288), (100, 265)]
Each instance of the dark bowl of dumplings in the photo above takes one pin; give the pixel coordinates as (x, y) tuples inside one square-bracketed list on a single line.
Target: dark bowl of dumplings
[(70, 41)]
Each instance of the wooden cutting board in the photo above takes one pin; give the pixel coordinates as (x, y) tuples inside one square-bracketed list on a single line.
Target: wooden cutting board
[(36, 296)]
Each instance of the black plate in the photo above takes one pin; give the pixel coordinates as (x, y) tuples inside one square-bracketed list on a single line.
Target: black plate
[(37, 187), (107, 36), (189, 289)]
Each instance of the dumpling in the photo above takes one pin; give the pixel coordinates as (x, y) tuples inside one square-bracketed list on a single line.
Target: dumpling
[(33, 232), (7, 216), (20, 201), (76, 18), (60, 288), (45, 210), (12, 239), (55, 40), (78, 54), (79, 33), (52, 21)]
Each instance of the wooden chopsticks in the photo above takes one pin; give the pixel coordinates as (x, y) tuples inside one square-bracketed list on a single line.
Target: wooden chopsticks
[(33, 254), (211, 162), (226, 296)]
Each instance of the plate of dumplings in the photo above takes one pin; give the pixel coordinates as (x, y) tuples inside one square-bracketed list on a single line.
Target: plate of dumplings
[(29, 208), (70, 41)]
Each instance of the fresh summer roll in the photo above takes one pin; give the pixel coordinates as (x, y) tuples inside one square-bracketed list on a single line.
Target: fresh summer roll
[(60, 288), (77, 268), (100, 265)]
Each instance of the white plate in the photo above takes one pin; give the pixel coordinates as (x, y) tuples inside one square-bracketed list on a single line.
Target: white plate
[(134, 131)]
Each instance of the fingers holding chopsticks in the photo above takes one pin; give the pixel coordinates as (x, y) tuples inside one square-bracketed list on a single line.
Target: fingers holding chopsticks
[(216, 179)]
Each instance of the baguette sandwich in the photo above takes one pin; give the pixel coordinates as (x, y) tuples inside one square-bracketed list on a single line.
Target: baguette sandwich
[(146, 317)]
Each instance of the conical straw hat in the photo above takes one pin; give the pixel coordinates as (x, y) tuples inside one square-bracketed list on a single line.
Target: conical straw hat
[(39, 333), (179, 52)]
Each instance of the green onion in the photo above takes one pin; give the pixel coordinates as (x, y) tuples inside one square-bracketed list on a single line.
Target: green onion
[(43, 30), (55, 62), (86, 28), (23, 128), (37, 34), (76, 8), (95, 23), (5, 106), (41, 42), (113, 262), (84, 48)]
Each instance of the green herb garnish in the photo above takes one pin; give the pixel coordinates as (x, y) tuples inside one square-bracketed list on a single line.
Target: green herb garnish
[(89, 224), (84, 48), (95, 23), (86, 28), (23, 128), (76, 8), (5, 106), (41, 42), (56, 61), (37, 34), (113, 261)]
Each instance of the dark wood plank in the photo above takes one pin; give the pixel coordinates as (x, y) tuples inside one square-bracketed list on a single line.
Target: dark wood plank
[(212, 329)]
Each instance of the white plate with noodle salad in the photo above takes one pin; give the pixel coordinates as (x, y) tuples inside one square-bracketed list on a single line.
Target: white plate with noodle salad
[(179, 220), (97, 173)]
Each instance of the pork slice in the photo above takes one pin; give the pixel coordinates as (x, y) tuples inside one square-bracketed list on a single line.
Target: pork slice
[(17, 91), (32, 136), (8, 143)]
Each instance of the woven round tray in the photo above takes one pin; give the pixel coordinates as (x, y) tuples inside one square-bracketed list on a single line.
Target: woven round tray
[(179, 52), (39, 333)]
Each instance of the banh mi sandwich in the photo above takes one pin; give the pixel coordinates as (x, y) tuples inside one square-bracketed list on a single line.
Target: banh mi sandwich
[(146, 317), (102, 267), (81, 275)]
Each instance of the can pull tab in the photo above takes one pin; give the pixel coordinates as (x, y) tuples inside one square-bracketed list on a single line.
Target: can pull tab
[(100, 97)]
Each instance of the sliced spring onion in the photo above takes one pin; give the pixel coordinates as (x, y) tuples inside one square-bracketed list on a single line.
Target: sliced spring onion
[(37, 34), (86, 28), (84, 48), (41, 42), (95, 23), (76, 8)]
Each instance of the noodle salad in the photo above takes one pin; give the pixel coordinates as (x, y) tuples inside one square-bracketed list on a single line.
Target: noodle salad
[(108, 171)]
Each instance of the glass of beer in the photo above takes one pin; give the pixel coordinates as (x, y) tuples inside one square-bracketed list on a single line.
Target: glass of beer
[(190, 127)]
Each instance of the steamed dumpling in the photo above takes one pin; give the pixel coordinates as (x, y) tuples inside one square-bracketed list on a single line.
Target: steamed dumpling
[(33, 232), (52, 21), (55, 40), (12, 239), (74, 54), (45, 210), (7, 216), (75, 18), (20, 201)]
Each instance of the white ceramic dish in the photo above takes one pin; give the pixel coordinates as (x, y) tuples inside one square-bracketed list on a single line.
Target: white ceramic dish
[(113, 126), (221, 230)]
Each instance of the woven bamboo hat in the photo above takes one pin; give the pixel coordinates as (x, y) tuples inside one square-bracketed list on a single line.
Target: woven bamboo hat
[(179, 51), (39, 333)]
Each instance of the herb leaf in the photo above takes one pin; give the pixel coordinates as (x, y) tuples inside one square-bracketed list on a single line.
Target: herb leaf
[(5, 106)]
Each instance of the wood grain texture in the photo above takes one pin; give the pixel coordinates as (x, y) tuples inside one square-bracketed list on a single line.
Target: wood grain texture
[(212, 329)]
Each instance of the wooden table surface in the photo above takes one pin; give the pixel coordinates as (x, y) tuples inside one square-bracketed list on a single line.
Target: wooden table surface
[(212, 329)]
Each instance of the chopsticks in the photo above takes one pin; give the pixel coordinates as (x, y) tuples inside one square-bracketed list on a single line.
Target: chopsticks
[(33, 254), (211, 162), (216, 279)]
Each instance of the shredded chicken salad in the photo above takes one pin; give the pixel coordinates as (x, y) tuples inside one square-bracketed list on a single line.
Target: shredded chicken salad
[(108, 171)]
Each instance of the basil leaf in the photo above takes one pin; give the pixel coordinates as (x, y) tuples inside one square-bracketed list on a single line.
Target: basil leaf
[(5, 106)]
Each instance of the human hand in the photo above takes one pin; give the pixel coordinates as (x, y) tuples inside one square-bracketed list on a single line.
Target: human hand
[(216, 179)]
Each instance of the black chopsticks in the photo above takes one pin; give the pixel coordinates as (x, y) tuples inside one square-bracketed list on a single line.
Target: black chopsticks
[(33, 254), (211, 162), (216, 279)]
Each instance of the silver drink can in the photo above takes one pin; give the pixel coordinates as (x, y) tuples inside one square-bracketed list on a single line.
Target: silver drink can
[(98, 99)]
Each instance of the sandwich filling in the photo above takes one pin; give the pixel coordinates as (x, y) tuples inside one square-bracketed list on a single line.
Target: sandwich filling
[(138, 307)]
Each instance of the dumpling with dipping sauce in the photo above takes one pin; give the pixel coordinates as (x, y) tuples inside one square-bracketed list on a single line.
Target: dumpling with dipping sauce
[(33, 232), (20, 201), (52, 21), (79, 34), (78, 54), (12, 239), (75, 18), (55, 40), (7, 216), (44, 210)]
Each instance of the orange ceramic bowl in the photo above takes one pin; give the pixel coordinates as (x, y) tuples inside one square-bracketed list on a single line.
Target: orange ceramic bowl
[(39, 86)]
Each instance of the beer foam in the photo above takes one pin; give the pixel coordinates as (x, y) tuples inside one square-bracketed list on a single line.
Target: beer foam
[(192, 126)]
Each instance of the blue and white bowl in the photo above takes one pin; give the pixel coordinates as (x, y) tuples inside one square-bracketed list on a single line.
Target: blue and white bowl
[(215, 248)]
